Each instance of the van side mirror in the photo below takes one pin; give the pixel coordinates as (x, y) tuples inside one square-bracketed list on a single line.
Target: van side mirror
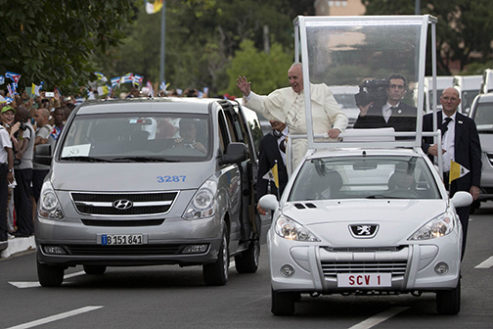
[(235, 152), (42, 154)]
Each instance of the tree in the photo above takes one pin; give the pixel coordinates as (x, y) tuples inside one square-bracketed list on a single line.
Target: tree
[(266, 71), (53, 41), (202, 37), (462, 28)]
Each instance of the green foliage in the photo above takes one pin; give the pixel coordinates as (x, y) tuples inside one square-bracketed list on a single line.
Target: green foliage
[(266, 71), (52, 41), (463, 28)]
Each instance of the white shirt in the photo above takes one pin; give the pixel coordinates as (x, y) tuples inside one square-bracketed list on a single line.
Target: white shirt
[(5, 143), (387, 111), (287, 106), (448, 142)]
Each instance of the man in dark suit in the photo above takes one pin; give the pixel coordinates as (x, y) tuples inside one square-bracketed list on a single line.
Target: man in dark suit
[(272, 150), (460, 143), (391, 113)]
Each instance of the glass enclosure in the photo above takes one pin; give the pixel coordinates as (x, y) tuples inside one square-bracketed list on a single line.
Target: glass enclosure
[(371, 177), (380, 58), (124, 137)]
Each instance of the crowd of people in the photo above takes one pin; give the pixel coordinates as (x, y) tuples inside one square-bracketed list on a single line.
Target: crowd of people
[(25, 122)]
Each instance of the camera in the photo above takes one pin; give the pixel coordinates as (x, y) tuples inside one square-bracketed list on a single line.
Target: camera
[(372, 91)]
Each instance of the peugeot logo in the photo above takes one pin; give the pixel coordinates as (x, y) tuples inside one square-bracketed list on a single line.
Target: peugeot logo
[(363, 231), (122, 204)]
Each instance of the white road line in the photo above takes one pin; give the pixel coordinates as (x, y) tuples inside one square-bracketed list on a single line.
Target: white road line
[(379, 318), (35, 284), (486, 264), (55, 317)]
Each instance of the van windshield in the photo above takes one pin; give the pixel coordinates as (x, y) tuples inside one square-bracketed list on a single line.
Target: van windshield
[(123, 137)]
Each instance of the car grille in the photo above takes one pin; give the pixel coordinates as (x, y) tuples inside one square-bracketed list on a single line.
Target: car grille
[(331, 270), (392, 260), (141, 203)]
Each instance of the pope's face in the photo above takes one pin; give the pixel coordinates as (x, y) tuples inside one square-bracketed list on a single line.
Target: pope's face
[(295, 77)]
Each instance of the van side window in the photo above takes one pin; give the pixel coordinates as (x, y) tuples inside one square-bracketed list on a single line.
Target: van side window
[(223, 132)]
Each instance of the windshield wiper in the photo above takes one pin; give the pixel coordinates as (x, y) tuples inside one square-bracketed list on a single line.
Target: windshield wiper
[(85, 159), (382, 196), (140, 159)]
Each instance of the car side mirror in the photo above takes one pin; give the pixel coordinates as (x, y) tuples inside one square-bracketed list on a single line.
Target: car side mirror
[(269, 201), (42, 154), (235, 152), (461, 199)]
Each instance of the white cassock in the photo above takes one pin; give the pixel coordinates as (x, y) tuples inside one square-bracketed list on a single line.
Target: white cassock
[(287, 106)]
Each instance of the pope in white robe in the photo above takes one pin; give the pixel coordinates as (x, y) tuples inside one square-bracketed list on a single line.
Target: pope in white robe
[(288, 105)]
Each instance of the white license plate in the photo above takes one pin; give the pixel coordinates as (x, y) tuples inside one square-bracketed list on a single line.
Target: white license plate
[(364, 280), (121, 239)]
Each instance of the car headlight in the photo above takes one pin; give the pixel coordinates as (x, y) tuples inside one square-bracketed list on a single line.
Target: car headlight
[(439, 226), (203, 202), (49, 206), (289, 229)]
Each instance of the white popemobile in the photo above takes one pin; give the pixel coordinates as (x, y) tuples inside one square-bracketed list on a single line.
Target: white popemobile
[(368, 217)]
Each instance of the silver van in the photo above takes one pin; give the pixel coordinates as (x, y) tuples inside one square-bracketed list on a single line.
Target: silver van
[(150, 181), (482, 114)]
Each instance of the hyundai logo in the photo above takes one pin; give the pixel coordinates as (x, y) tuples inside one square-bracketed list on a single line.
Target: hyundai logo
[(122, 204), (363, 231)]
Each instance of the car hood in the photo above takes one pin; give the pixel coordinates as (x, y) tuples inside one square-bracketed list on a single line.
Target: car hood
[(396, 219), (114, 177)]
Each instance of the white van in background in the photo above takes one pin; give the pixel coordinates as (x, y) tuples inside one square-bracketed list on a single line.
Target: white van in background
[(487, 84), (344, 96), (468, 86)]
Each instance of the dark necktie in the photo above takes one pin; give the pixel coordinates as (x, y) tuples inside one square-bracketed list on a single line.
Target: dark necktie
[(282, 145), (444, 126)]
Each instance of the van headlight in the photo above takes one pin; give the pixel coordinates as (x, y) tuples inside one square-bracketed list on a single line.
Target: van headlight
[(439, 226), (289, 229), (203, 203), (49, 205)]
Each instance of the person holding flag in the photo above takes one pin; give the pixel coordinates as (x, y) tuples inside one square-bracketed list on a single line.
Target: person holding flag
[(461, 151), (272, 173)]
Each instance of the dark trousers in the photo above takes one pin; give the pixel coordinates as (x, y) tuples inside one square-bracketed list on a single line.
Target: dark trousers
[(4, 190), (463, 212), (38, 178), (23, 202)]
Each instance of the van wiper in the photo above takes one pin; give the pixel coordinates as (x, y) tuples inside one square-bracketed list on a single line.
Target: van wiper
[(85, 159), (140, 159)]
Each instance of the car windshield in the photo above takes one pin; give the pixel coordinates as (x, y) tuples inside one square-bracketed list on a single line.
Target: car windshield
[(364, 177), (124, 137), (483, 116)]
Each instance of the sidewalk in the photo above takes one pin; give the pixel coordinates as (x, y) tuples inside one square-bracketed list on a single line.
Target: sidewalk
[(17, 245)]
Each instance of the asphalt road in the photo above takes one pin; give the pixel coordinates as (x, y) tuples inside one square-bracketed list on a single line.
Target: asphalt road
[(174, 297)]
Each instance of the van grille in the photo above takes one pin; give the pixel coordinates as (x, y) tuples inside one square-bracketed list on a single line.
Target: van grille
[(140, 203), (158, 249)]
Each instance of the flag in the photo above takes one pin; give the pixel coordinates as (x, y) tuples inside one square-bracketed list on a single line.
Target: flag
[(13, 76), (9, 88), (14, 86), (100, 76), (151, 89), (2, 79), (457, 171), (153, 7), (273, 175), (115, 81), (137, 80), (163, 86), (129, 77)]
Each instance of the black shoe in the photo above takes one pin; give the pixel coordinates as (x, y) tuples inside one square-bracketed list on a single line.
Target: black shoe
[(21, 235), (3, 244)]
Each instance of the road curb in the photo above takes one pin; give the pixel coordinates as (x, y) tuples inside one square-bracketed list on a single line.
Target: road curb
[(18, 245)]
